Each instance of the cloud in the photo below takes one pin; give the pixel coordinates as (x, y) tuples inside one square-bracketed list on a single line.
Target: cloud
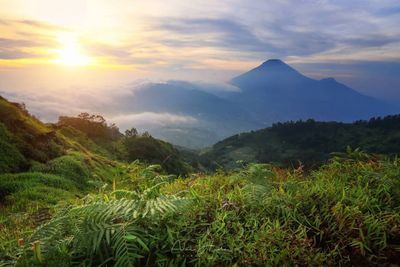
[(205, 32), (20, 48), (149, 119), (278, 36), (26, 39), (209, 40), (23, 23)]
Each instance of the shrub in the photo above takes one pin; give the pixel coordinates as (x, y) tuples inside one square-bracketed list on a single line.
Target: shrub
[(11, 159), (72, 167), (13, 183)]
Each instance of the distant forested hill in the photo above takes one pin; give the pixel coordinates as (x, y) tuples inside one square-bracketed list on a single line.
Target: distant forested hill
[(309, 142)]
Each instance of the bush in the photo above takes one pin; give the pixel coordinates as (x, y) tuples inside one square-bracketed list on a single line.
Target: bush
[(33, 139), (11, 159), (72, 167), (13, 183), (153, 151)]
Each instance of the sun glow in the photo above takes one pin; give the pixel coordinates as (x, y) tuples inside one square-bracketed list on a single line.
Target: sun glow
[(71, 53)]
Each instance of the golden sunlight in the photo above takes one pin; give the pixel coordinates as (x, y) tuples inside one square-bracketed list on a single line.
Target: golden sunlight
[(71, 53)]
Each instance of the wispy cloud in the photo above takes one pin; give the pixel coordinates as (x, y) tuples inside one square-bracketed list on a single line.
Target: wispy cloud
[(205, 40), (151, 118)]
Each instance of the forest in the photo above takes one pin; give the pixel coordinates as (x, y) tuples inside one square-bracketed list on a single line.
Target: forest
[(79, 192), (309, 143)]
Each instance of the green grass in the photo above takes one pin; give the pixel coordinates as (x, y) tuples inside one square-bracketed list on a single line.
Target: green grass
[(29, 199), (23, 198), (11, 160), (345, 213), (13, 183), (71, 167), (33, 139)]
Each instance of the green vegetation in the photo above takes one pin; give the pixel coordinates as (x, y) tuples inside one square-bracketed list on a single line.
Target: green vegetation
[(345, 213), (11, 159), (153, 151), (107, 199), (34, 140), (308, 142), (92, 133)]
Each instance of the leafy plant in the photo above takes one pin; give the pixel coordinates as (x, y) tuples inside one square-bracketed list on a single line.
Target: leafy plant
[(111, 229)]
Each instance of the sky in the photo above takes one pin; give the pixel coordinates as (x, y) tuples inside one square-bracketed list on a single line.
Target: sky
[(52, 49)]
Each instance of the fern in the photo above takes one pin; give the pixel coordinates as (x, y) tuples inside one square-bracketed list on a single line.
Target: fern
[(102, 232)]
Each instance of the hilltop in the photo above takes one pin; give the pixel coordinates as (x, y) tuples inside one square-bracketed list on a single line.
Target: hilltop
[(307, 142)]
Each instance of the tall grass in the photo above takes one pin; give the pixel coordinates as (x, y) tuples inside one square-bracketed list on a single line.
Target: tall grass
[(346, 213)]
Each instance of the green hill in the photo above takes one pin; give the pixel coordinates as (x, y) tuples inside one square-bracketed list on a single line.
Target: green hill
[(24, 138), (26, 141), (78, 192), (309, 142)]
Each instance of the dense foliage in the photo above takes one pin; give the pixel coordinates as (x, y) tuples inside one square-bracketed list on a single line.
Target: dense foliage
[(25, 141), (94, 127), (34, 140), (309, 142), (74, 199), (11, 160), (128, 147), (153, 151), (345, 213)]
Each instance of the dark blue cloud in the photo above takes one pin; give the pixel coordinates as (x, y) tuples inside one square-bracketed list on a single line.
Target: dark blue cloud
[(222, 33), (388, 11), (282, 40)]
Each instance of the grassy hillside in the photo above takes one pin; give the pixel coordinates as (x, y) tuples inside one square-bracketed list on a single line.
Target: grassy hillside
[(25, 141), (308, 142), (80, 193), (43, 166), (19, 131), (346, 213)]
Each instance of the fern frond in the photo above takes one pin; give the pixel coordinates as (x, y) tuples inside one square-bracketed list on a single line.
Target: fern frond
[(101, 231)]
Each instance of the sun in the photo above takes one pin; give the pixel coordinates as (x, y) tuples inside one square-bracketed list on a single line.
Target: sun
[(71, 53)]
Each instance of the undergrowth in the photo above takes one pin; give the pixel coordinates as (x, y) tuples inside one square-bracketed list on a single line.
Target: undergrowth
[(345, 213)]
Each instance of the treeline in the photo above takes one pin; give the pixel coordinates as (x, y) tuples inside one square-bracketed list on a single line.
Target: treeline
[(308, 142), (130, 146), (387, 122)]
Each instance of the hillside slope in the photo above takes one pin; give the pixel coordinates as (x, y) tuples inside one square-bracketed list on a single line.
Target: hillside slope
[(25, 141), (309, 142), (23, 138)]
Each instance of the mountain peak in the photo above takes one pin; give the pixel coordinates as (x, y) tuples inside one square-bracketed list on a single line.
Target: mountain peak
[(269, 71), (329, 79), (272, 62), (275, 65)]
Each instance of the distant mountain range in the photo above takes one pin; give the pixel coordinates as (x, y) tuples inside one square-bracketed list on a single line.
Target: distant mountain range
[(269, 93), (276, 92)]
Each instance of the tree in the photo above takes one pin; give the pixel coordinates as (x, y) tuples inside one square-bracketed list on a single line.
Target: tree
[(146, 134), (131, 133)]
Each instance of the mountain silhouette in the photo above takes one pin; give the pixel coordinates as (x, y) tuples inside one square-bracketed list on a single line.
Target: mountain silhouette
[(274, 91)]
